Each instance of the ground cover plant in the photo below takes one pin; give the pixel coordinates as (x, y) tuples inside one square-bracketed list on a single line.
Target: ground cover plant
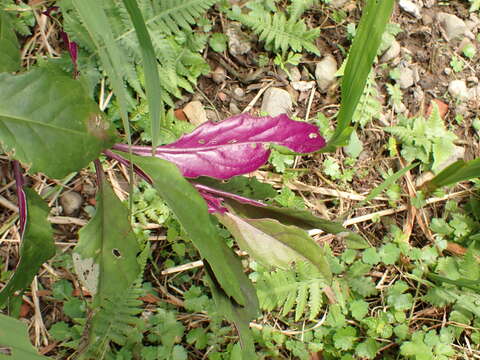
[(189, 258)]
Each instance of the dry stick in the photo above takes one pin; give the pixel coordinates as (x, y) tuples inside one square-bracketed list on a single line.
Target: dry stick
[(39, 326), (252, 103), (8, 205)]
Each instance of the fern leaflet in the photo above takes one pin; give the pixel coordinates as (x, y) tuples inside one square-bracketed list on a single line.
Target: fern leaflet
[(298, 289), (280, 33)]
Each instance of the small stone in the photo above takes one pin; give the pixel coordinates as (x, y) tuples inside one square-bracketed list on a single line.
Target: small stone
[(325, 72), (238, 93), (212, 115), (453, 27), (302, 85), (457, 154), (238, 42), (195, 113), (392, 52), (474, 94), (407, 77), (410, 8), (276, 101), (458, 89), (71, 202), (219, 75), (234, 108), (295, 74), (447, 71), (427, 19), (337, 4)]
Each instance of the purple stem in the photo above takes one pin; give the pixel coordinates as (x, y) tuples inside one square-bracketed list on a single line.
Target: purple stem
[(228, 195), (22, 199), (125, 162), (98, 171)]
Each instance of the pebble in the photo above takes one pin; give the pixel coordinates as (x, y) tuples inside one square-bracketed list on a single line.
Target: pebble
[(458, 89), (276, 101), (410, 8), (212, 115), (453, 27), (302, 85), (238, 93), (219, 75), (238, 42), (71, 202), (392, 52), (407, 77), (234, 110), (295, 74), (195, 113), (325, 72)]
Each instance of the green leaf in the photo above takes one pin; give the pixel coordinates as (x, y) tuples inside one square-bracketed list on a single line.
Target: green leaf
[(392, 179), (301, 218), (458, 171), (355, 146), (48, 121), (150, 66), (10, 54), (274, 244), (218, 42), (105, 258), (191, 211), (367, 349), (239, 315), (96, 22), (36, 248), (344, 338), (360, 59), (359, 308), (14, 341)]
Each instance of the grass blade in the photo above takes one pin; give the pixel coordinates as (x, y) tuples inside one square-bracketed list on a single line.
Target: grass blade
[(458, 171), (360, 59), (392, 179), (152, 80)]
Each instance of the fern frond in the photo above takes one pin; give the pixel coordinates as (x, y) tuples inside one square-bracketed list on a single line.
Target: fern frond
[(179, 66), (298, 7), (281, 34), (296, 289)]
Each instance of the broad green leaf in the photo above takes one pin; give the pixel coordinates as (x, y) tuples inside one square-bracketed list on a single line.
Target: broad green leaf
[(10, 53), (364, 49), (47, 120), (274, 244), (14, 342), (37, 246), (301, 218), (105, 258), (191, 211), (458, 171), (150, 65)]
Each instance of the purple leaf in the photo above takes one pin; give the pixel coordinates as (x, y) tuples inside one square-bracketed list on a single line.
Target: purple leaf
[(235, 146)]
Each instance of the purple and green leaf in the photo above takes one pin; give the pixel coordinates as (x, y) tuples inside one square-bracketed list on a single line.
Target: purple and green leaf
[(235, 146)]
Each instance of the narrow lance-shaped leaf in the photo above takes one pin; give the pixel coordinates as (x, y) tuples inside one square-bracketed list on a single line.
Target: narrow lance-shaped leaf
[(48, 121), (105, 258), (191, 211), (14, 341), (458, 171), (10, 53), (376, 14), (238, 145), (274, 244), (152, 80), (36, 248)]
